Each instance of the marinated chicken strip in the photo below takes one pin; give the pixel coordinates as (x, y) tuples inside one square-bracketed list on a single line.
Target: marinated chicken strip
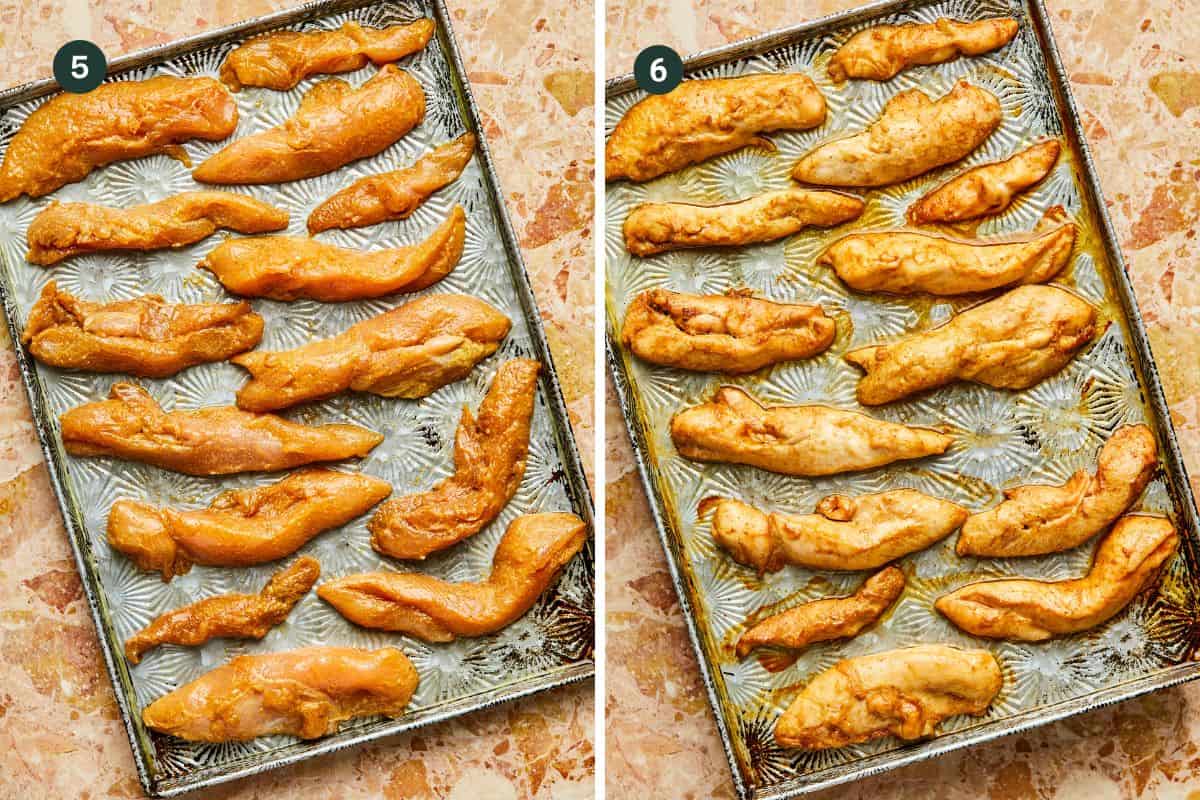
[(305, 693), (281, 59), (393, 195), (845, 533), (907, 262), (658, 227), (228, 616), (294, 267), (218, 440), (146, 336), (63, 230), (242, 527), (72, 134), (904, 693), (334, 125), (826, 619), (489, 462), (986, 190), (913, 135), (796, 440), (407, 352), (529, 557), (1013, 342), (1035, 520), (732, 333), (1127, 561), (700, 119), (882, 52)]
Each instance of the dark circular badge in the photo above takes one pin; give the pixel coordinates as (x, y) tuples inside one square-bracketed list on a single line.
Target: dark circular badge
[(658, 69), (79, 66)]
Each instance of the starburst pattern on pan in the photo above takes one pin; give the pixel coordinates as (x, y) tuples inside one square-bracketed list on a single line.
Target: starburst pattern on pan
[(1056, 413), (989, 442)]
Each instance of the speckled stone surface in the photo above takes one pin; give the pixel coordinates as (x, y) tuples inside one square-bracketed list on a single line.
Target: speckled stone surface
[(1135, 75), (530, 64)]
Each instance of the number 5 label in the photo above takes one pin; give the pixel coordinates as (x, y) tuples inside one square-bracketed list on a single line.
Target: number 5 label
[(79, 66)]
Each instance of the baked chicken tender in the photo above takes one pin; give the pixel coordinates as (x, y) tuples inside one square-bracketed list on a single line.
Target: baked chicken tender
[(826, 619), (407, 352), (1127, 561), (489, 463), (334, 125), (807, 441), (1035, 520), (882, 52), (1013, 342), (305, 693), (294, 267), (228, 616), (912, 136), (63, 230), (218, 440), (986, 190), (904, 693), (907, 262), (700, 119), (658, 227), (241, 527), (732, 333), (72, 134), (393, 195), (281, 59), (528, 558), (146, 336), (845, 533)]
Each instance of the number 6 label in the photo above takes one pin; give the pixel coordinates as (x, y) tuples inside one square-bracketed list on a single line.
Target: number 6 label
[(79, 66), (658, 69)]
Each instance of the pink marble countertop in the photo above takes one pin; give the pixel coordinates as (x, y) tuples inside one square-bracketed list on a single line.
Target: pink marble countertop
[(531, 67), (1135, 74)]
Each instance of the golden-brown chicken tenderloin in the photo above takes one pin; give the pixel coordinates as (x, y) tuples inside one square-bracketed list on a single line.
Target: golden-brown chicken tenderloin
[(700, 119), (393, 195), (489, 462), (828, 618), (527, 560), (63, 230), (807, 441), (228, 616), (909, 262), (731, 333), (1035, 520), (305, 693), (334, 125), (294, 267), (241, 527), (883, 51), (1127, 561), (146, 336), (408, 352), (659, 227), (912, 136), (72, 134), (986, 190), (1013, 342), (904, 693), (844, 533), (281, 59), (217, 440)]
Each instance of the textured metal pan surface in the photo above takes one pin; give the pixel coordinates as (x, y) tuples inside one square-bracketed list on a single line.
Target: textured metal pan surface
[(1004, 439), (550, 646)]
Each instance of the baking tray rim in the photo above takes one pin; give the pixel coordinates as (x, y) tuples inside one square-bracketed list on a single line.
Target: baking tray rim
[(577, 485), (1173, 463)]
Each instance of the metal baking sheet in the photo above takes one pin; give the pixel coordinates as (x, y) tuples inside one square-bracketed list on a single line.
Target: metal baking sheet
[(1004, 439), (550, 646)]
